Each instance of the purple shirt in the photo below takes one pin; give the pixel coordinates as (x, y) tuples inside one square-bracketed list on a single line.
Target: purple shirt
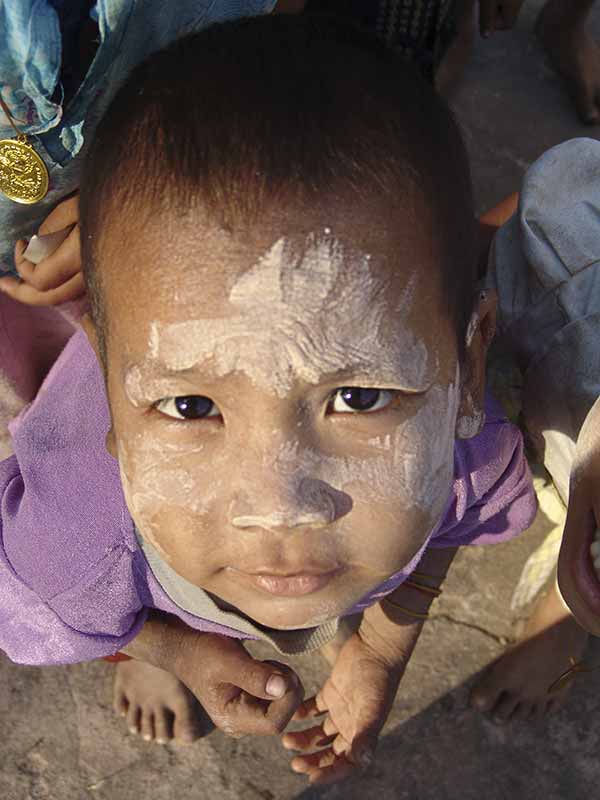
[(74, 584)]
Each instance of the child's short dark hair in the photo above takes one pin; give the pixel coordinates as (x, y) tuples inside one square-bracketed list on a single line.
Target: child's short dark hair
[(268, 110)]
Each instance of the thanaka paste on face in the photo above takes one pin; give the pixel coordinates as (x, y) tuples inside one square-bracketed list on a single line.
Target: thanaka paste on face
[(315, 299), (299, 311)]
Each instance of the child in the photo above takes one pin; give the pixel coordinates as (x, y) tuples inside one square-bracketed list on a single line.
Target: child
[(286, 317), (544, 263)]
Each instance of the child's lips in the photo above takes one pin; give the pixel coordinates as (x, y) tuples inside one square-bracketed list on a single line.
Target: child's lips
[(577, 561), (288, 585)]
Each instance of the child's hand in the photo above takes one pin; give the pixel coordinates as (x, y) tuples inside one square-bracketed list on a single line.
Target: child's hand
[(357, 699), (240, 694), (498, 15), (58, 277)]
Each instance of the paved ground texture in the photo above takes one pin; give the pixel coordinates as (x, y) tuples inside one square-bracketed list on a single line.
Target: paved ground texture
[(59, 739)]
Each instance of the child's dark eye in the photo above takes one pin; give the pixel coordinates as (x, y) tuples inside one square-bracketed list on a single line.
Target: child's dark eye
[(353, 399), (194, 406)]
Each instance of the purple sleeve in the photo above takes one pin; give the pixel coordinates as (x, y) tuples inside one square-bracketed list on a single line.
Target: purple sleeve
[(37, 631), (67, 588), (493, 495)]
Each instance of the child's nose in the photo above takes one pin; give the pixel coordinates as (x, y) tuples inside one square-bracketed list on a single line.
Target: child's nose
[(310, 503)]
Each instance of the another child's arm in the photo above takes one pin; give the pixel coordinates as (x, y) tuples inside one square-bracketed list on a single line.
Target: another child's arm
[(57, 278), (240, 694), (359, 693)]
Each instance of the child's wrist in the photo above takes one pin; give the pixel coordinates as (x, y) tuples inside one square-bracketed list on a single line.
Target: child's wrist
[(159, 642)]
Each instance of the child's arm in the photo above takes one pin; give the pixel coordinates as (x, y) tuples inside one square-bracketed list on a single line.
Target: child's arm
[(240, 694), (360, 691)]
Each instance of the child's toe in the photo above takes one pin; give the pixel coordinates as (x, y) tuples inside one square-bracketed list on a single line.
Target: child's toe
[(485, 695), (504, 708), (185, 728), (134, 714), (163, 725), (147, 725), (120, 704)]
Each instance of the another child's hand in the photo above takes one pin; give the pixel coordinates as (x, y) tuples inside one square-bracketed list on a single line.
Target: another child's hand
[(357, 699), (232, 686), (498, 15), (58, 277)]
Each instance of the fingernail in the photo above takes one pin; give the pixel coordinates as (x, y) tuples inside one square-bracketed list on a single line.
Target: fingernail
[(486, 34), (275, 686)]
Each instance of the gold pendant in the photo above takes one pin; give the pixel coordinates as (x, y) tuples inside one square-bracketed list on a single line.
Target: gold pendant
[(23, 174)]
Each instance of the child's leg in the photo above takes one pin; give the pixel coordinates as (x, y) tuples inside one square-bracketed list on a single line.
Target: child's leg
[(157, 705), (575, 55), (516, 686)]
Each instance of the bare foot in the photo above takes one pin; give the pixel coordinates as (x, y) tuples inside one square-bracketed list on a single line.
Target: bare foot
[(574, 54), (516, 686), (157, 705)]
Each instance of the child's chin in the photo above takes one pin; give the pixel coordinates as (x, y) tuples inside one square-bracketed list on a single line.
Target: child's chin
[(310, 616)]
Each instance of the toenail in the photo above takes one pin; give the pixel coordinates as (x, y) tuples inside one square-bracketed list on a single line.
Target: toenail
[(161, 741), (133, 730), (146, 737)]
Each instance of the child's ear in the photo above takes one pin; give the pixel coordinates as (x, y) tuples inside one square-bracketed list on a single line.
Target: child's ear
[(480, 332), (92, 334)]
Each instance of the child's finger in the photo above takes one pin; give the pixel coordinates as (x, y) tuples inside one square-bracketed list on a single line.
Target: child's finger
[(57, 268), (308, 710), (267, 680), (308, 739), (66, 213), (24, 293), (324, 767), (340, 770)]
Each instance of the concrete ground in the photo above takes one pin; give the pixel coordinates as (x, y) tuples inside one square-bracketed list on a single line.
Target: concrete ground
[(59, 739)]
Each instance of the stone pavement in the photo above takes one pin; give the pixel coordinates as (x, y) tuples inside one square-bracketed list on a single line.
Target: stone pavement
[(59, 739)]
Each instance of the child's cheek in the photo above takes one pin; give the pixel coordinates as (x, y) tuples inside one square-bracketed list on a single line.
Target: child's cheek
[(412, 466), (159, 483)]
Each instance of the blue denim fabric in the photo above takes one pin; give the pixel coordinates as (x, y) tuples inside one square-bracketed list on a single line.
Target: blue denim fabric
[(30, 63)]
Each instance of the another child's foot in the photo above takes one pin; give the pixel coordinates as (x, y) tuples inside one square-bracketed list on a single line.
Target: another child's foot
[(516, 686), (156, 704), (574, 54)]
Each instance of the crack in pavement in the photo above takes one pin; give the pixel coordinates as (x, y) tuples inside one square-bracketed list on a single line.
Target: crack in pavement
[(101, 781), (444, 617)]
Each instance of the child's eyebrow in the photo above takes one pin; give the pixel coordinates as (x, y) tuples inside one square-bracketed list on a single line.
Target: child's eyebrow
[(156, 370), (374, 375)]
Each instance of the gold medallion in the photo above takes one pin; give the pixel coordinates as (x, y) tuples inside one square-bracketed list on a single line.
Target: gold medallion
[(23, 174)]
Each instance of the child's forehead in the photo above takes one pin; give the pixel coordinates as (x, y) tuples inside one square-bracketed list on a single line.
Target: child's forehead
[(332, 241), (357, 284)]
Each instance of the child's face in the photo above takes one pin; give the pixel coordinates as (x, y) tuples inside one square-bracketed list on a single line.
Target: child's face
[(284, 401), (579, 580)]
